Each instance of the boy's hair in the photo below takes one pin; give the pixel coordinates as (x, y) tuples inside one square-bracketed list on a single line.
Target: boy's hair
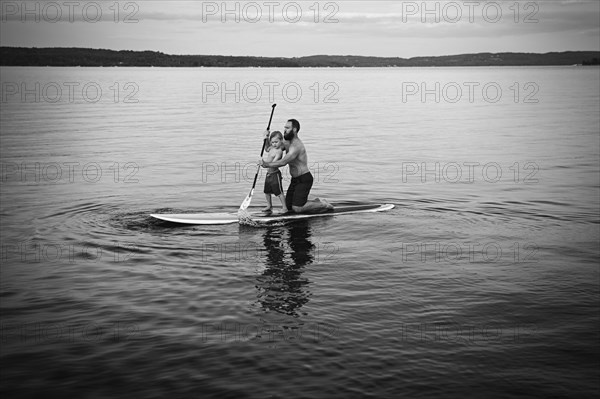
[(277, 134), (295, 124)]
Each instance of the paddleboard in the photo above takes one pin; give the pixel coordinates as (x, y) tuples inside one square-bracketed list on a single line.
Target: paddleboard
[(259, 217)]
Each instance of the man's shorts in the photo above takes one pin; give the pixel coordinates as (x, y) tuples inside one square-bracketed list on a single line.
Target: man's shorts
[(297, 193), (273, 183)]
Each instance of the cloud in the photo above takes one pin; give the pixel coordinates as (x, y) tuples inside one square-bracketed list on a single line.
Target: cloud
[(385, 28)]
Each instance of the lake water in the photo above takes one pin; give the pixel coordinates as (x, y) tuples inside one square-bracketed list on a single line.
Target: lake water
[(481, 282)]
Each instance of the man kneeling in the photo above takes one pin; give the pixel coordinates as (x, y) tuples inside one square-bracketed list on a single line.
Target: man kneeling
[(302, 180)]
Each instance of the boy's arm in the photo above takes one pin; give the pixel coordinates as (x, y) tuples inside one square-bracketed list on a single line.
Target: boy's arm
[(269, 155), (277, 156), (289, 157)]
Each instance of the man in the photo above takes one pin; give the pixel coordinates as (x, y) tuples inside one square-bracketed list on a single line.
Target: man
[(302, 180)]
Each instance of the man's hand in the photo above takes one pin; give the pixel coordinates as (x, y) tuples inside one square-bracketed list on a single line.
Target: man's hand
[(262, 164)]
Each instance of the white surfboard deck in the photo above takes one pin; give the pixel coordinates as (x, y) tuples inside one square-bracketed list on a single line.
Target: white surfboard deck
[(259, 217)]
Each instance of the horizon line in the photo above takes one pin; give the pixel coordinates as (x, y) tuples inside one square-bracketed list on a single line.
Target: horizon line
[(304, 56)]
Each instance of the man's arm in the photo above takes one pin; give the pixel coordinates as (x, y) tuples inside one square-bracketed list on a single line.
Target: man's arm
[(289, 157)]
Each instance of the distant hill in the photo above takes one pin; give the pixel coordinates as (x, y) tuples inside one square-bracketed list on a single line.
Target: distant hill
[(60, 56)]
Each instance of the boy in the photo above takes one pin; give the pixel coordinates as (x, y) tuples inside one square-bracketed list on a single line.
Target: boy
[(273, 181)]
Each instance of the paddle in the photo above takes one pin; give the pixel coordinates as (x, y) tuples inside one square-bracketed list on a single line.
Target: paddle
[(246, 202)]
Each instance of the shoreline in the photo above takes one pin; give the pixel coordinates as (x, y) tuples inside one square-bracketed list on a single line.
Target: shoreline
[(87, 57)]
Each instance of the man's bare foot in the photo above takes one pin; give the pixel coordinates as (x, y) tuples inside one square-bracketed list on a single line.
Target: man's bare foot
[(326, 203), (315, 206), (267, 210)]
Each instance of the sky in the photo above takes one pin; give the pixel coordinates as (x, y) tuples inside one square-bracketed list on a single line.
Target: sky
[(300, 28)]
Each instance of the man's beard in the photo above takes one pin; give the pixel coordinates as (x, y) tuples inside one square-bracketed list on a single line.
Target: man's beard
[(288, 136)]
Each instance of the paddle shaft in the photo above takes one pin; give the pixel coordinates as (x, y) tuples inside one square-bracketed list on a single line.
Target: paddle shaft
[(263, 146)]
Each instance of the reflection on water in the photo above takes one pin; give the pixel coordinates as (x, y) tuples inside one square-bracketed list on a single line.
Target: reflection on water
[(281, 286), (61, 311)]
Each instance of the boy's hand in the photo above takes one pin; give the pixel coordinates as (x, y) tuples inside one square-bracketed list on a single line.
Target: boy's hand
[(266, 134)]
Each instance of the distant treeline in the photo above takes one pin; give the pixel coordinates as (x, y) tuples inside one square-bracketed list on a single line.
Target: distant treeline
[(59, 56)]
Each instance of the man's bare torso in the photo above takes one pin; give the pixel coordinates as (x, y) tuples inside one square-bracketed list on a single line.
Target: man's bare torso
[(299, 165)]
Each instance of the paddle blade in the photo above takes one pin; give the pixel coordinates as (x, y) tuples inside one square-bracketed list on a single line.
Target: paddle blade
[(246, 219), (243, 215), (246, 202)]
